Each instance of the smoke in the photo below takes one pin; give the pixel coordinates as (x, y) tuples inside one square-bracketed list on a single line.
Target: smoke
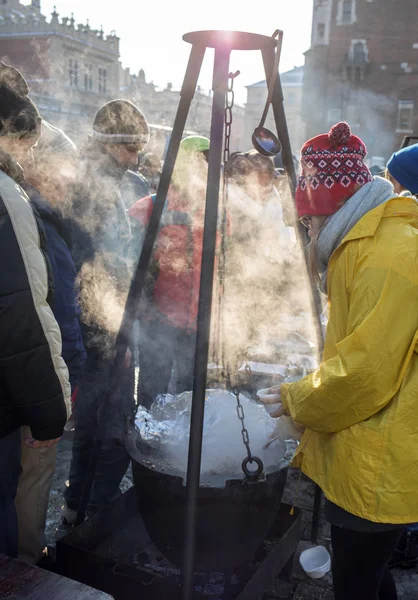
[(376, 123), (371, 115), (53, 174), (266, 293), (103, 248), (102, 304)]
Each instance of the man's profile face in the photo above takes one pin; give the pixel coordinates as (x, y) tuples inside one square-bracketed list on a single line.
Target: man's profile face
[(125, 154)]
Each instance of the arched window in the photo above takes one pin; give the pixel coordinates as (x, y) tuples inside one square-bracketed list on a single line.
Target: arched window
[(359, 53)]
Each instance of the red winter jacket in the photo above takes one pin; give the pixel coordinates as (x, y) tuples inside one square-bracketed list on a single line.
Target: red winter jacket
[(177, 258)]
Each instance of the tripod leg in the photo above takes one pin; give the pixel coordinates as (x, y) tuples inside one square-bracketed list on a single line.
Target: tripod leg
[(220, 86), (283, 133), (280, 118), (186, 97), (137, 284)]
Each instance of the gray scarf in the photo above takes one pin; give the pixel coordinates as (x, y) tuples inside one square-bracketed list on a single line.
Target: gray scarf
[(334, 231)]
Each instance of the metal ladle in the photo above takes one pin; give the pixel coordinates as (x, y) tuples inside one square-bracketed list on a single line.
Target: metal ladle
[(264, 140)]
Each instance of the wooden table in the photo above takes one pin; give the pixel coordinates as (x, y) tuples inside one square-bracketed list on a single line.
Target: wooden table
[(20, 581)]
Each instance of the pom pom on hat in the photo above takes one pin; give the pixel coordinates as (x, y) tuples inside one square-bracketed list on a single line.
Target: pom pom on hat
[(333, 169), (339, 134)]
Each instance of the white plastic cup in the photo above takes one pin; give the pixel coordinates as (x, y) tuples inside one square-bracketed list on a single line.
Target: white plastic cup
[(271, 401), (316, 562)]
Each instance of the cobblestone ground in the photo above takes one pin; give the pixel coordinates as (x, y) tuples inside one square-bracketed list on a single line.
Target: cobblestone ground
[(298, 588)]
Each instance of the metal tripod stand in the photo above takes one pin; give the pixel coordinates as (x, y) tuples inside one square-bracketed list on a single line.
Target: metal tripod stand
[(223, 42)]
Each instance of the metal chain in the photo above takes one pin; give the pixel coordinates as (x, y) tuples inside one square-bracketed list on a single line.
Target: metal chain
[(244, 430), (219, 342), (253, 475), (229, 105)]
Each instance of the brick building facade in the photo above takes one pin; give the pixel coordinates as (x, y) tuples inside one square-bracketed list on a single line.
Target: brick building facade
[(362, 67)]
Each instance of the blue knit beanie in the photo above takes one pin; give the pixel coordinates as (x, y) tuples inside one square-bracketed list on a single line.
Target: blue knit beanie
[(403, 166)]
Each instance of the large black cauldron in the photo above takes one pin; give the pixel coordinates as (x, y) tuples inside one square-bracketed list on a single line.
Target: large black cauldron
[(233, 519)]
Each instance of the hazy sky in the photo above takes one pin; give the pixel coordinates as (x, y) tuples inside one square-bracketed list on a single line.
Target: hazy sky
[(151, 32)]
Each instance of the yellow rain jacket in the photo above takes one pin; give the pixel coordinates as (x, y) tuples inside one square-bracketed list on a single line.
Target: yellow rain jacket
[(360, 407)]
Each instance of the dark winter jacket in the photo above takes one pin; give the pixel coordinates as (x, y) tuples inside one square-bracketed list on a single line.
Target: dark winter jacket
[(34, 385), (134, 187), (65, 305)]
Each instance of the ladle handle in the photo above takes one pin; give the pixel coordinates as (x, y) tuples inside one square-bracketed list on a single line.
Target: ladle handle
[(272, 80)]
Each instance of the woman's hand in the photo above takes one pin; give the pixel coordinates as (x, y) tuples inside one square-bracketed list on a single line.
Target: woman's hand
[(279, 412), (274, 390), (269, 397)]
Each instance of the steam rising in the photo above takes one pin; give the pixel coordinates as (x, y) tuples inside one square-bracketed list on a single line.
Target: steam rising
[(267, 293), (102, 250)]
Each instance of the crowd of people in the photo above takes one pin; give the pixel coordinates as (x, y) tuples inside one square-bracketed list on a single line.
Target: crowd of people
[(72, 222)]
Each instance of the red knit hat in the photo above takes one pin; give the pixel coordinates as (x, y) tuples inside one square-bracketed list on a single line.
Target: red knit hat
[(332, 171)]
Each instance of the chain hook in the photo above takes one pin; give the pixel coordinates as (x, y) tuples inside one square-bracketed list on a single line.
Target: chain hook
[(251, 475)]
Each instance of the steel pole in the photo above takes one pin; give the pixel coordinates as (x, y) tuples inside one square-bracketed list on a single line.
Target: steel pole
[(220, 86), (283, 133)]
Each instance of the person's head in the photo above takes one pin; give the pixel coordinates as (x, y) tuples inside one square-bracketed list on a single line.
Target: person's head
[(20, 121), (151, 164), (332, 170), (122, 131), (402, 170), (252, 171), (54, 168), (196, 144), (191, 169)]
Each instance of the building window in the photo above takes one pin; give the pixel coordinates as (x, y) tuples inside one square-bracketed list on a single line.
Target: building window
[(88, 77), (347, 11), (73, 72), (102, 80), (405, 116), (321, 31), (359, 53)]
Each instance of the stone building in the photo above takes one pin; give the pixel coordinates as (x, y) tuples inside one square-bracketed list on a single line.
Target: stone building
[(362, 67), (73, 69), (292, 84), (160, 107)]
